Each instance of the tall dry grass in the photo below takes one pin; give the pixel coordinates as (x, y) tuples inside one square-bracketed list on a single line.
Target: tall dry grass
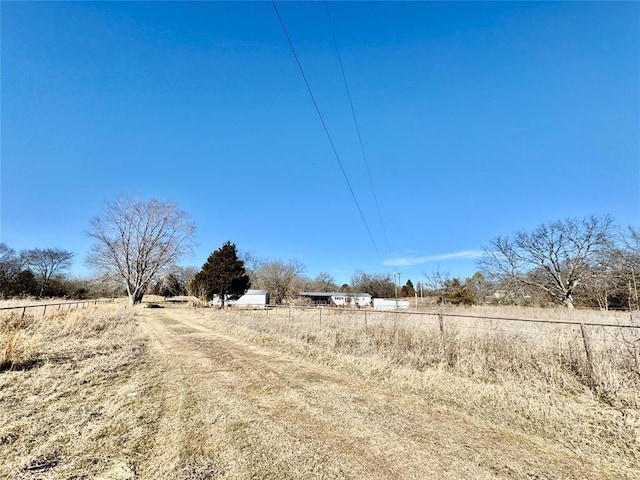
[(533, 377), (75, 398)]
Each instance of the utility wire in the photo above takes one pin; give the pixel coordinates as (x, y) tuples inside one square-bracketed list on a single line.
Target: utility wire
[(355, 121), (324, 126)]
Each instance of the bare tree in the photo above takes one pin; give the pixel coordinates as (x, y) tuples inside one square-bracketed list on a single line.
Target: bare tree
[(252, 264), (12, 264), (553, 258), (323, 282), (135, 240), (631, 264), (46, 262), (435, 281), (281, 279), (378, 285)]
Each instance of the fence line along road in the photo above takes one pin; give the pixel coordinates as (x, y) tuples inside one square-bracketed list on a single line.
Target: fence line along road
[(452, 315), (78, 304), (586, 340)]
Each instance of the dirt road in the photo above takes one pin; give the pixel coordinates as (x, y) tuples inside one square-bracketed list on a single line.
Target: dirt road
[(233, 409)]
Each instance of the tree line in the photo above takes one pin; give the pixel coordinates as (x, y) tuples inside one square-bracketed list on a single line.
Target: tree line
[(35, 272), (586, 262)]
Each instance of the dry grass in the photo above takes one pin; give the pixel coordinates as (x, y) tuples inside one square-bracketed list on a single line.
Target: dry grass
[(181, 393), (540, 384), (75, 398)]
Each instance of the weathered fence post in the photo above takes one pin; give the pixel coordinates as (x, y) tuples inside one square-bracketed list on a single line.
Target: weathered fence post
[(365, 320), (320, 310), (24, 309), (587, 349), (441, 323), (44, 310)]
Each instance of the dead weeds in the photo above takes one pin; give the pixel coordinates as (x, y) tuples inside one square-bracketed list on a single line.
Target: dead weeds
[(76, 400)]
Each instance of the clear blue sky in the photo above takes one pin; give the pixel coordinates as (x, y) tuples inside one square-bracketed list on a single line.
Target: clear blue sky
[(478, 119)]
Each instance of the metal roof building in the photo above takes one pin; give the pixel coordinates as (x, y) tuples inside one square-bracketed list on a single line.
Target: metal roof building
[(340, 299)]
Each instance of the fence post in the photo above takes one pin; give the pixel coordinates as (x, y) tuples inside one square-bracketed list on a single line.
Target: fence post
[(365, 320), (24, 309), (587, 349), (44, 310), (441, 323), (320, 310)]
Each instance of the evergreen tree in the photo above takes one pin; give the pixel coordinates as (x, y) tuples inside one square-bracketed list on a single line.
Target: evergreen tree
[(457, 293), (408, 290), (223, 275)]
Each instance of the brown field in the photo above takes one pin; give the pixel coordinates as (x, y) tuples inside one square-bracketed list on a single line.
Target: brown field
[(182, 393)]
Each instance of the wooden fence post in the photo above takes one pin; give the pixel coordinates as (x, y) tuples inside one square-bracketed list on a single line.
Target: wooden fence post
[(320, 310), (44, 310), (441, 323), (587, 349), (365, 321), (24, 309)]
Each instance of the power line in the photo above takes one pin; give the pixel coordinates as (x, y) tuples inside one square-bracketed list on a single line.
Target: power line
[(355, 121), (324, 126)]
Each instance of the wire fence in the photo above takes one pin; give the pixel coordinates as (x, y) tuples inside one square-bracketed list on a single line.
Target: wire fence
[(593, 336), (442, 318), (61, 306)]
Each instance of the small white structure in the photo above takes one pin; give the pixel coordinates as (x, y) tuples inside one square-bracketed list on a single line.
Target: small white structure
[(339, 299), (390, 304), (251, 299)]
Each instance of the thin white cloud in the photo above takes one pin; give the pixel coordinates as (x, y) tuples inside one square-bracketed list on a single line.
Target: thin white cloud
[(410, 261)]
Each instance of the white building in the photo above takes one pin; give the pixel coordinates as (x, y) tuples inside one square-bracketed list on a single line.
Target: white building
[(388, 304), (338, 299), (251, 299)]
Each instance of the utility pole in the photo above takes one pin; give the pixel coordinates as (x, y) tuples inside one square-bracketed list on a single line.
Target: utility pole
[(395, 285)]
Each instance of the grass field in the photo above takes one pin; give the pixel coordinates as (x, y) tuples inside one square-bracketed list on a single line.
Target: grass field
[(183, 393)]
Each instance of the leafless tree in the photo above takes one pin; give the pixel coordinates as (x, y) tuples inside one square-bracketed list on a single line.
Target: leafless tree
[(435, 281), (135, 240), (45, 262), (323, 282), (12, 265), (281, 279), (378, 285), (631, 261), (252, 264), (553, 258)]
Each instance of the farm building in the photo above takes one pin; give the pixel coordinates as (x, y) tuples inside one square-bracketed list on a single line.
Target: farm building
[(338, 299), (390, 304), (251, 299)]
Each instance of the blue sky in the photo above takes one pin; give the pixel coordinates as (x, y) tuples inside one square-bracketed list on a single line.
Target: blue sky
[(478, 119)]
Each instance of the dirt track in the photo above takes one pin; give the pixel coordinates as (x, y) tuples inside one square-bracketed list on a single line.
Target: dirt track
[(236, 410)]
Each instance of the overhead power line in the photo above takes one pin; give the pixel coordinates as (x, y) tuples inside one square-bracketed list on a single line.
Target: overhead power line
[(355, 121), (324, 126)]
